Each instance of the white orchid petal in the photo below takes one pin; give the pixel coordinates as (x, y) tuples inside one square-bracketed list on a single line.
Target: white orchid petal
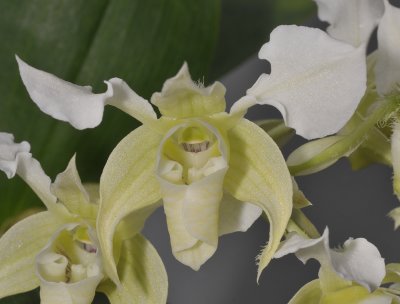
[(359, 261), (77, 104), (69, 190), (305, 248), (316, 81), (181, 97), (235, 215), (68, 272), (387, 69), (258, 174), (378, 299), (18, 248), (16, 159), (351, 21)]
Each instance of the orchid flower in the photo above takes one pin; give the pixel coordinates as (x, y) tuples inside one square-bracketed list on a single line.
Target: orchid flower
[(372, 135), (215, 172), (351, 274), (58, 249)]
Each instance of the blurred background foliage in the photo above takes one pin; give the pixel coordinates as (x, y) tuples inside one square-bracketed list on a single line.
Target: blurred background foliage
[(142, 42)]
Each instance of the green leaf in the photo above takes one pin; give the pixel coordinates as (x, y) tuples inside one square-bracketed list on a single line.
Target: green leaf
[(86, 42)]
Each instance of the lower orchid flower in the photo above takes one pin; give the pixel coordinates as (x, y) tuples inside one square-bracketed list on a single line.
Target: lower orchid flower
[(214, 171), (351, 274), (58, 249)]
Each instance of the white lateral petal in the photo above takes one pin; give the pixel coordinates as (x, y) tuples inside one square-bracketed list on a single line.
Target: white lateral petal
[(77, 104), (359, 261), (387, 69), (235, 215), (351, 21), (16, 159), (316, 81)]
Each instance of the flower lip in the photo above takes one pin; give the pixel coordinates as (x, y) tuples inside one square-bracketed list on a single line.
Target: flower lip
[(71, 256), (191, 151)]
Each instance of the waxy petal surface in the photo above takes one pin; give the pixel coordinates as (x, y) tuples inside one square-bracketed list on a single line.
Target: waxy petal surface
[(77, 104), (387, 69), (181, 97), (142, 274), (128, 183), (18, 249), (316, 81), (351, 21), (258, 174), (16, 159)]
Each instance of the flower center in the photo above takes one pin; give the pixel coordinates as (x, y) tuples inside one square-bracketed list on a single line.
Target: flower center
[(189, 154), (71, 257)]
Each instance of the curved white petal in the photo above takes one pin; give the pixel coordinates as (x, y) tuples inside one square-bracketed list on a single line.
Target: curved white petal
[(77, 104), (68, 272), (235, 215), (192, 209), (181, 97), (358, 260), (387, 69), (316, 81), (18, 248), (351, 21), (16, 159)]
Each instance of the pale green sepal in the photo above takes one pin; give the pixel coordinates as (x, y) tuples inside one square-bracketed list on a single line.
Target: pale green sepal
[(387, 69), (395, 140), (258, 174), (69, 272), (319, 154), (395, 216), (128, 183), (235, 215), (181, 97), (277, 129), (142, 274), (134, 222), (192, 213), (299, 199), (308, 294), (69, 189), (18, 248)]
